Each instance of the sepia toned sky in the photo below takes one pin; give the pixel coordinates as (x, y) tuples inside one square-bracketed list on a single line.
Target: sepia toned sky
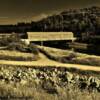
[(13, 11)]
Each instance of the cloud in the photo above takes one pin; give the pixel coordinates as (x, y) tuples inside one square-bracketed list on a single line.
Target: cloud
[(39, 17)]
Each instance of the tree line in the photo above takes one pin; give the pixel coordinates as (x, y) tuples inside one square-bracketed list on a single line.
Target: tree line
[(75, 20)]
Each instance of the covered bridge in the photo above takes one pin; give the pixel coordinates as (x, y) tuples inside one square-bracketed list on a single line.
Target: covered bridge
[(49, 36)]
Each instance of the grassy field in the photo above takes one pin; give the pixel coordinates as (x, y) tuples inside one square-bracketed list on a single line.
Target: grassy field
[(68, 56), (36, 93), (46, 83), (17, 56), (23, 83)]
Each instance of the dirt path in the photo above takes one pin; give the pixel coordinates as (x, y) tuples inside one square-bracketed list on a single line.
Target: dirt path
[(44, 62)]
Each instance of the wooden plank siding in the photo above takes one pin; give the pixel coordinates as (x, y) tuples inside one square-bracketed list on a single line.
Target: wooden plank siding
[(50, 36), (76, 45)]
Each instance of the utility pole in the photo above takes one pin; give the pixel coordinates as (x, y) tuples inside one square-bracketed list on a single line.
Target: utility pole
[(62, 27)]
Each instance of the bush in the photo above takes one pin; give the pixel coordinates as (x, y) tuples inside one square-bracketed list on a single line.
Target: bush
[(5, 41), (17, 46), (33, 49), (69, 58), (23, 48)]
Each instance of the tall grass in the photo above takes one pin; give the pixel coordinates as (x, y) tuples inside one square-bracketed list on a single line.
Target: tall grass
[(70, 57), (17, 56), (36, 93), (29, 88)]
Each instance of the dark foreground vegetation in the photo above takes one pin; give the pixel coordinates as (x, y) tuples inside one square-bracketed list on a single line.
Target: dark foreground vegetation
[(48, 83)]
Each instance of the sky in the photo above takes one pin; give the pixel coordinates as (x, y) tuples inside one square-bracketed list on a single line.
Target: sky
[(13, 11)]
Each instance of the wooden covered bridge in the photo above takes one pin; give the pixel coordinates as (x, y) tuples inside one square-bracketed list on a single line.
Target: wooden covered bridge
[(49, 36)]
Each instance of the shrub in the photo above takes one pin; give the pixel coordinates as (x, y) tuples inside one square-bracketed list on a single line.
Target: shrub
[(69, 58), (33, 49), (17, 46), (5, 41)]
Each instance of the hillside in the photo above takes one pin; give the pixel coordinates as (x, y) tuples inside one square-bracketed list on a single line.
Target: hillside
[(76, 20)]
